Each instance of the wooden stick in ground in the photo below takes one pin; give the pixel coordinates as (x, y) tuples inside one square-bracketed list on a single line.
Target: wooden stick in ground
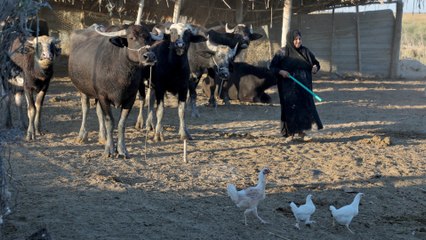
[(184, 151)]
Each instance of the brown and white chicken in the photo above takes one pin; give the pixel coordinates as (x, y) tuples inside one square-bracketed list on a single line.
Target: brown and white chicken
[(250, 197)]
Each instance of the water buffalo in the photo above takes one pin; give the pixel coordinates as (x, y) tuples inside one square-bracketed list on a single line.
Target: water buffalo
[(171, 74), (238, 37), (247, 83), (107, 66), (34, 59)]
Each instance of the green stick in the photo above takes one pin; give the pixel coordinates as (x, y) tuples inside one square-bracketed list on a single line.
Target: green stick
[(307, 89)]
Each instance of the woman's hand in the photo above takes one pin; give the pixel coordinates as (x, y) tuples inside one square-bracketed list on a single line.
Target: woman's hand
[(283, 73), (314, 69)]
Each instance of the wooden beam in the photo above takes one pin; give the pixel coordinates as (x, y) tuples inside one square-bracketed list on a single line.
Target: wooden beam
[(358, 42), (176, 11), (396, 41), (287, 11), (239, 15), (333, 33), (140, 9)]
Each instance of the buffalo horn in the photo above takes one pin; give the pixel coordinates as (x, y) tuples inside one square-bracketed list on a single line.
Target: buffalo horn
[(228, 30), (159, 36), (120, 33), (211, 46), (234, 51)]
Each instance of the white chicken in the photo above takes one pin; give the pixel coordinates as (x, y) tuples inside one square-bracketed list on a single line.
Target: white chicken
[(303, 212), (250, 197), (345, 214)]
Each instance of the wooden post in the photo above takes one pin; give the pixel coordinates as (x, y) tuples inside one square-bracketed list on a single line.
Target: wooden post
[(239, 14), (140, 9), (287, 10), (333, 32), (396, 41), (271, 54), (358, 41), (176, 11), (185, 160)]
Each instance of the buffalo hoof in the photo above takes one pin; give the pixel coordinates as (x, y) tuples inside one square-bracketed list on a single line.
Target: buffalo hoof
[(106, 155), (185, 136), (139, 125), (40, 133), (195, 113), (227, 102), (123, 155), (101, 141), (212, 103), (80, 140), (30, 137), (158, 137)]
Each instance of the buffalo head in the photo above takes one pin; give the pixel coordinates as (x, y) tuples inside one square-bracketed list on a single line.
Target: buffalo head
[(181, 35), (45, 49), (245, 32), (222, 57), (135, 38)]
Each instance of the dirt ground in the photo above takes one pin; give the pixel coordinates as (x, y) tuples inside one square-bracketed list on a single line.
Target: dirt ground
[(374, 142)]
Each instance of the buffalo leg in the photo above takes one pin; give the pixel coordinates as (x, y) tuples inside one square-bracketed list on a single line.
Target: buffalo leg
[(121, 146), (7, 120), (158, 135), (20, 108), (223, 91), (109, 124), (150, 117), (212, 99), (38, 105), (82, 134), (101, 120), (183, 132), (31, 114), (139, 121), (193, 83)]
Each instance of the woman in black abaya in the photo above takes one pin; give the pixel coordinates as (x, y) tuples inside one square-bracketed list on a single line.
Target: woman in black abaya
[(298, 111)]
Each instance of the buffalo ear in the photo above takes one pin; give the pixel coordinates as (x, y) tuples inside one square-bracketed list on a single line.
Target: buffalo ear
[(57, 51), (197, 38), (119, 41), (166, 37), (255, 36), (206, 53)]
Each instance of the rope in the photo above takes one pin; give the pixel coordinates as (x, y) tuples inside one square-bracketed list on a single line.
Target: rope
[(137, 50), (149, 91)]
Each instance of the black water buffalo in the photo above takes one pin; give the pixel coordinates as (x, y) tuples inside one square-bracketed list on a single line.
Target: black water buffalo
[(171, 74), (34, 60), (247, 83), (107, 66), (240, 37), (16, 79), (208, 58)]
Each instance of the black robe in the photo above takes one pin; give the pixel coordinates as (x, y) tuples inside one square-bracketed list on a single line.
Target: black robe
[(298, 111)]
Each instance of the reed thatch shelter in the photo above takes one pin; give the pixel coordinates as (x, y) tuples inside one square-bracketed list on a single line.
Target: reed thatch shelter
[(346, 43)]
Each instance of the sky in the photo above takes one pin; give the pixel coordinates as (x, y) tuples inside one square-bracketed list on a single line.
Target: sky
[(410, 6)]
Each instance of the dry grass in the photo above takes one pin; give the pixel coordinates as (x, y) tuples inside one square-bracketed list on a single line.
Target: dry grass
[(413, 40)]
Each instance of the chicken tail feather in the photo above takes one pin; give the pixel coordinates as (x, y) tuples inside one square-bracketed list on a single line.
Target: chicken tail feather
[(232, 192), (293, 206)]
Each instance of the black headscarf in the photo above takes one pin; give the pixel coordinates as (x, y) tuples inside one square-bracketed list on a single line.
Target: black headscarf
[(298, 58)]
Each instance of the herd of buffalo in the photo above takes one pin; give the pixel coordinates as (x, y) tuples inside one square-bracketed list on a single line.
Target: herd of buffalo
[(113, 64)]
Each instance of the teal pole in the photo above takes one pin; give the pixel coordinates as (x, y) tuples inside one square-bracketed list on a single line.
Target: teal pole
[(307, 89)]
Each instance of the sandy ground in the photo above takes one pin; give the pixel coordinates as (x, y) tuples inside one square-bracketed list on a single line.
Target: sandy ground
[(374, 142)]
